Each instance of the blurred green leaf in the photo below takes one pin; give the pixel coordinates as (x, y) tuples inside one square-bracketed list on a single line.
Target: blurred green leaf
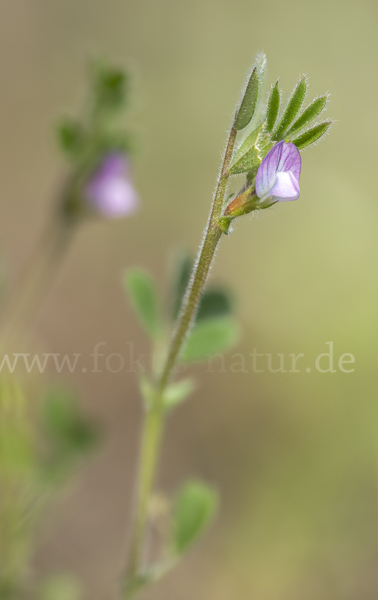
[(311, 112), (248, 103), (194, 508), (177, 392), (214, 303), (110, 87), (181, 279), (65, 424), (293, 107), (311, 136), (61, 587), (209, 337), (16, 451), (143, 297), (273, 108), (71, 137)]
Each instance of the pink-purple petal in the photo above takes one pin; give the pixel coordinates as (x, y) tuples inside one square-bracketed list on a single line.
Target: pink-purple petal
[(266, 174), (286, 187), (279, 173), (290, 160), (109, 192)]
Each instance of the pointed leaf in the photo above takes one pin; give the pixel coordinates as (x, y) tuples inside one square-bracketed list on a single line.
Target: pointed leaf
[(261, 68), (194, 508), (247, 145), (110, 87), (265, 149), (214, 303), (311, 136), (292, 109), (143, 297), (261, 72), (209, 337), (249, 161), (71, 137), (247, 157), (177, 392), (248, 104), (312, 111), (273, 108)]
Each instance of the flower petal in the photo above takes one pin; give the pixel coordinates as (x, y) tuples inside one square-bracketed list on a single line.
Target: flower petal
[(266, 174), (109, 191), (290, 160), (113, 197), (285, 188)]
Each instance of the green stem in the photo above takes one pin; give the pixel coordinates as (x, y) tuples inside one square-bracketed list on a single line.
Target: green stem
[(154, 420)]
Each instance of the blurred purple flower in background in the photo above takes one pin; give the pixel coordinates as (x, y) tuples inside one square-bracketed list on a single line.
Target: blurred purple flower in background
[(278, 175), (109, 191)]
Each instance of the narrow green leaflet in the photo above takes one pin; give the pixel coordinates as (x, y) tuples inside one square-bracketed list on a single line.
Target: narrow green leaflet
[(248, 143), (261, 68), (261, 72), (311, 136), (210, 337), (249, 161), (178, 392), (247, 156), (143, 297), (248, 104), (308, 115), (265, 149), (292, 109), (194, 508), (273, 108)]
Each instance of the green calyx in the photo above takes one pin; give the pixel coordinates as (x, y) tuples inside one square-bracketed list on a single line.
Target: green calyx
[(243, 204)]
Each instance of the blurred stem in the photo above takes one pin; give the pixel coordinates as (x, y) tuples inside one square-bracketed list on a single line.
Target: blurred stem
[(30, 291), (154, 419)]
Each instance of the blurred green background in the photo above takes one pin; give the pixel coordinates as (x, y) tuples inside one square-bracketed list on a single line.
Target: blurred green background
[(293, 454)]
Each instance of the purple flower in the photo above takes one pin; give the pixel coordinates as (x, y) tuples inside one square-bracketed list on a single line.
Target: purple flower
[(278, 175), (109, 190)]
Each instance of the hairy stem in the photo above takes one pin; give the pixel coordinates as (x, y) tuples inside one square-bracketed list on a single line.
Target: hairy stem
[(154, 419)]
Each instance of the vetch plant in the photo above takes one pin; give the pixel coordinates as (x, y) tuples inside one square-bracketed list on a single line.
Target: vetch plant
[(43, 435), (268, 155), (263, 150), (98, 184)]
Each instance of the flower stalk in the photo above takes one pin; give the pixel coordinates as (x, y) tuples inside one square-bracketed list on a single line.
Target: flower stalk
[(154, 419), (35, 282)]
